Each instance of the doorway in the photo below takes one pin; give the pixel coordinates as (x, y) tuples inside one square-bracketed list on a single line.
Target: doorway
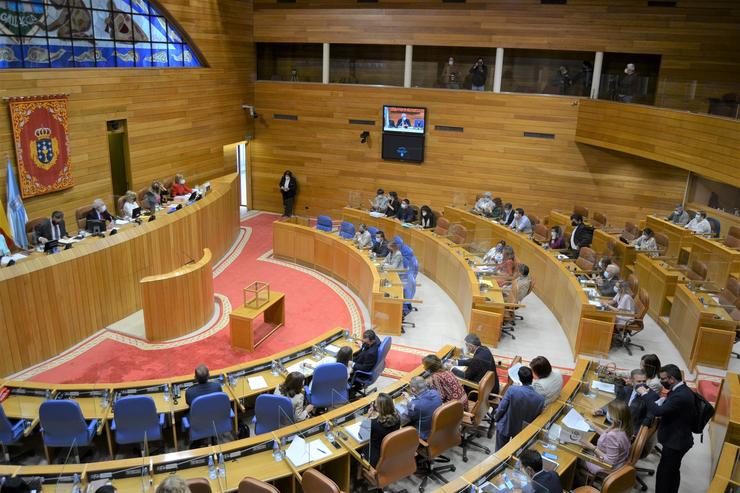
[(120, 167), (241, 169)]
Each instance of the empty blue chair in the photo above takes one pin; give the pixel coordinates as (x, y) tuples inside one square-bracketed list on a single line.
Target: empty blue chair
[(347, 230), (209, 416), (272, 412), (323, 223), (10, 433), (329, 386), (62, 425), (398, 240), (136, 421), (364, 379)]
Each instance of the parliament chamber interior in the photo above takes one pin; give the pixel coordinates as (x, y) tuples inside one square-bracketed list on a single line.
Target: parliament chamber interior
[(370, 245)]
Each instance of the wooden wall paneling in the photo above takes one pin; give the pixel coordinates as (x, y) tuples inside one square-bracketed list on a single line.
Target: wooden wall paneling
[(324, 153)]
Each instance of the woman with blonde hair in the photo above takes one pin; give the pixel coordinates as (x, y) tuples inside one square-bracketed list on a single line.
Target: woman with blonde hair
[(173, 484), (613, 445), (129, 205)]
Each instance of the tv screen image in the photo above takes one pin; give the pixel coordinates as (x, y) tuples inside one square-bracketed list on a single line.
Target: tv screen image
[(403, 147), (404, 119)]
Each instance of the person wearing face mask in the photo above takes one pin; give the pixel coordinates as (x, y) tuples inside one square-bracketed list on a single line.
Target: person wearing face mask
[(53, 228), (366, 357), (154, 197), (394, 259), (622, 302), (380, 249), (426, 217), (581, 236), (394, 205), (498, 209), (521, 222), (507, 216), (380, 202), (363, 238), (613, 446), (699, 224), (405, 213), (288, 189), (451, 75), (636, 403), (557, 241), (403, 122), (543, 481), (179, 187), (646, 243), (129, 205), (496, 254), (422, 402), (99, 212), (678, 216), (607, 282), (484, 205), (478, 75), (677, 415), (477, 365), (521, 405), (628, 84)]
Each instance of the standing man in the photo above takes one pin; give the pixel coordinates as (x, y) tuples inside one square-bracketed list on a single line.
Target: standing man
[(478, 75), (520, 406), (628, 84), (451, 75), (677, 416), (477, 366), (288, 188), (581, 236)]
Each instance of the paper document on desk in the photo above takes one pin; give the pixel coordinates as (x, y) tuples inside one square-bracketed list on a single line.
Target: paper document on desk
[(300, 367), (604, 387), (562, 256), (68, 241), (257, 383), (16, 256), (377, 214), (575, 421), (301, 452), (514, 373), (121, 222), (357, 432), (594, 302), (332, 349)]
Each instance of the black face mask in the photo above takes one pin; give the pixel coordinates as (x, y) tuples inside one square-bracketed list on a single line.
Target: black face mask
[(573, 223), (666, 384)]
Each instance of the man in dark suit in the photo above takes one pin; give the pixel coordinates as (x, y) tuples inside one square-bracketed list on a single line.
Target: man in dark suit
[(52, 228), (544, 481), (367, 356), (520, 406), (507, 217), (380, 247), (581, 236), (477, 366), (99, 212), (637, 403), (677, 416), (202, 386), (403, 122)]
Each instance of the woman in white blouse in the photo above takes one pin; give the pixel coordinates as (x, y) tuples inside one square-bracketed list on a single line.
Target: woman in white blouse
[(622, 302), (549, 382), (129, 205), (292, 388)]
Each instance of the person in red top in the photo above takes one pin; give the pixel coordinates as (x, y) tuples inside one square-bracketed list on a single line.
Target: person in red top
[(179, 187), (444, 381)]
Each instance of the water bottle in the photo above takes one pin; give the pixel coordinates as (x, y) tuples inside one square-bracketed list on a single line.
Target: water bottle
[(274, 369), (166, 395), (221, 466), (327, 431), (48, 394), (277, 454), (232, 380), (104, 399), (76, 485), (211, 468)]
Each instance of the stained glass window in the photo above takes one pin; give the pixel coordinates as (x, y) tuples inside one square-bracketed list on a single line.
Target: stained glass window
[(89, 33)]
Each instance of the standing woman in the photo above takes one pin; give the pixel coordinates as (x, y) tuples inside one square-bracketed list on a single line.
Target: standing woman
[(288, 187)]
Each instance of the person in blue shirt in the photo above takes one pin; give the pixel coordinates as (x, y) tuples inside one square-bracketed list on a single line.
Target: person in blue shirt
[(423, 401), (5, 252), (521, 223), (405, 213), (203, 386), (520, 406)]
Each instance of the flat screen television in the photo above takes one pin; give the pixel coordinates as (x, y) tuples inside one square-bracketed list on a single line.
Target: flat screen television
[(403, 147), (404, 119)]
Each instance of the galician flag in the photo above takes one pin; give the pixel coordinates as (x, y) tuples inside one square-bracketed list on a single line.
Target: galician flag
[(16, 212)]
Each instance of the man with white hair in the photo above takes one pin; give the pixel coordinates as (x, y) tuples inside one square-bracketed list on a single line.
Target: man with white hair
[(628, 85), (607, 282), (423, 401), (484, 205), (99, 212)]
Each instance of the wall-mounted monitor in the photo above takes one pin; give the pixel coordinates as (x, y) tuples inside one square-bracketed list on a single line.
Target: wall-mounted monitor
[(403, 147), (404, 119)]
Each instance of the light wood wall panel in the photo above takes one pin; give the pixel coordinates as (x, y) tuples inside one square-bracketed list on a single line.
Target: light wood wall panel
[(178, 119), (702, 144), (325, 153), (697, 40)]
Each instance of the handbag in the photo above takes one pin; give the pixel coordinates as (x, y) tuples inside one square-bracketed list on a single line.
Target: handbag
[(607, 373)]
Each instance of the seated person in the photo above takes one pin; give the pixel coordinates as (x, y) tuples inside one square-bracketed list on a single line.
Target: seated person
[(496, 254), (484, 205), (678, 216), (606, 283), (393, 205), (178, 186), (622, 302), (507, 215), (155, 196), (549, 382), (519, 287), (383, 419), (477, 366), (202, 385), (422, 402), (444, 381), (344, 356), (5, 259), (507, 266), (394, 259), (380, 248), (602, 264), (363, 238), (405, 213), (426, 218), (647, 242), (367, 356), (581, 236), (498, 209), (521, 222), (556, 241), (544, 481), (380, 202), (129, 205), (51, 229), (99, 212), (293, 389), (613, 445), (699, 224)]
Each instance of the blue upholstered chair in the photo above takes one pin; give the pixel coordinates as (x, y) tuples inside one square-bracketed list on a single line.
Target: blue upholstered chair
[(347, 230), (409, 291), (373, 231), (136, 421), (62, 425), (10, 433), (364, 379), (272, 412), (323, 223), (329, 386), (209, 416), (398, 240)]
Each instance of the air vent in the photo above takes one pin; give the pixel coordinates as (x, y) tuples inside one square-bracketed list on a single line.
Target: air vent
[(278, 116), (447, 128), (538, 135), (362, 122), (367, 1), (453, 1), (662, 3), (285, 1), (554, 2)]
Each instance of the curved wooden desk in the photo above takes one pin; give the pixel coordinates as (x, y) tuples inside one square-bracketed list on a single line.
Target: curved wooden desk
[(180, 301), (49, 303), (724, 428)]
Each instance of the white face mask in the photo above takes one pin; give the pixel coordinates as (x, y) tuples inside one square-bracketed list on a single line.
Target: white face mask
[(451, 62), (607, 275), (378, 239), (616, 289), (182, 182), (403, 206), (554, 235), (609, 417), (423, 213), (102, 208), (697, 217)]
